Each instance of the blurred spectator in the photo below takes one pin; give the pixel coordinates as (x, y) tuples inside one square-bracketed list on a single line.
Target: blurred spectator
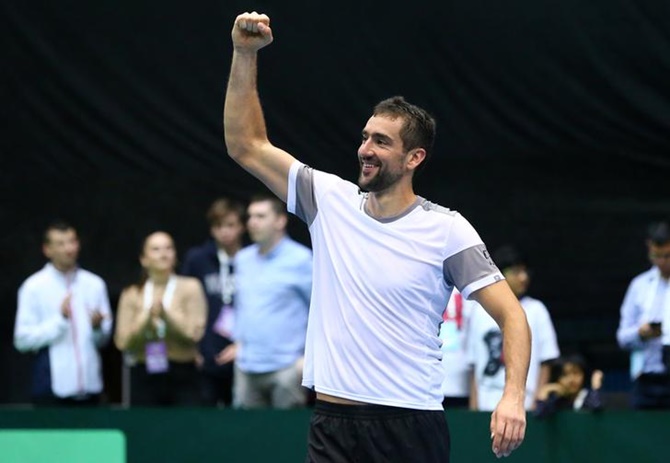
[(567, 389), (212, 264), (63, 315), (274, 283), (484, 339), (160, 321), (456, 384), (644, 311)]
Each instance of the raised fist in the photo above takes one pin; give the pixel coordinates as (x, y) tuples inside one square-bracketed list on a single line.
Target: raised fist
[(251, 32)]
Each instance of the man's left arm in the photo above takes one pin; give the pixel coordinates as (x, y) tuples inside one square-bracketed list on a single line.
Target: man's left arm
[(508, 421), (101, 318)]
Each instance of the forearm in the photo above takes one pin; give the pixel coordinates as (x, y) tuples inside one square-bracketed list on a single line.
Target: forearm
[(593, 400), (628, 336), (472, 401), (102, 334), (243, 121), (131, 332), (504, 307), (516, 348), (543, 378), (28, 337), (178, 329), (545, 407), (188, 326)]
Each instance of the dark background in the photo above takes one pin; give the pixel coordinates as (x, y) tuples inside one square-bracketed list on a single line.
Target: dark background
[(553, 131)]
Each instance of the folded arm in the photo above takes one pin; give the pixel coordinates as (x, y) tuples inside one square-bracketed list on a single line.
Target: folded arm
[(32, 331)]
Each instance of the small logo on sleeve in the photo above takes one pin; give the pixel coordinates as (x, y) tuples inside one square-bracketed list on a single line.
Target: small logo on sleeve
[(487, 256)]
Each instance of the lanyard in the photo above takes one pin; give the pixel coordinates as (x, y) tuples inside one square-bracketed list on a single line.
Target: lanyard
[(227, 273), (148, 297)]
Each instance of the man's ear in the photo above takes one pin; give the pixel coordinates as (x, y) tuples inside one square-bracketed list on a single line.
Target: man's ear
[(416, 157), (283, 221)]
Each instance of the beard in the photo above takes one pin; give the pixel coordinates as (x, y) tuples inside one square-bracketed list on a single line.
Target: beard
[(379, 182)]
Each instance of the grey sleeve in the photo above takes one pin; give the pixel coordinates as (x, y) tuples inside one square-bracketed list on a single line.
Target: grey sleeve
[(470, 269), (306, 207)]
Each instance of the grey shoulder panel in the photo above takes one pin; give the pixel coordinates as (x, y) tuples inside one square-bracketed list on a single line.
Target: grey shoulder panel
[(306, 207), (430, 206), (469, 265)]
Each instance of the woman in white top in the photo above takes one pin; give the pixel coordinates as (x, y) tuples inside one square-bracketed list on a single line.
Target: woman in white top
[(160, 321)]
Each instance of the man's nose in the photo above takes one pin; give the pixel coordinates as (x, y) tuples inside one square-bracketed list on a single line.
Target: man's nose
[(365, 148)]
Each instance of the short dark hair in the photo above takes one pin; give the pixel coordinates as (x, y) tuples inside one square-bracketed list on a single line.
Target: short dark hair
[(56, 225), (278, 205), (658, 233), (418, 130), (508, 256), (574, 358), (221, 208)]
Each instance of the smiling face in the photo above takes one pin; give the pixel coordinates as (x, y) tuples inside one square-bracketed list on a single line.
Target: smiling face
[(381, 155), (158, 254)]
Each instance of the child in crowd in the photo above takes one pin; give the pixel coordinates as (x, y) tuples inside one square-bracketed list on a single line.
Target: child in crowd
[(567, 389)]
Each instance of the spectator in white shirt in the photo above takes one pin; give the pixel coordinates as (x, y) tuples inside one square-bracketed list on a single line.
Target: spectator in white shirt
[(644, 312), (63, 317), (484, 339)]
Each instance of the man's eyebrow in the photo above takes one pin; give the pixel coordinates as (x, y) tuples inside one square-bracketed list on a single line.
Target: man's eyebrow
[(378, 135)]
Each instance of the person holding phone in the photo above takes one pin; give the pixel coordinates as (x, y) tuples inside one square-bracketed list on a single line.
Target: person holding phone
[(645, 307)]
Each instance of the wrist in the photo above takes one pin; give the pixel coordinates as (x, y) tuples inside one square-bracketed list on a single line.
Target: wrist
[(514, 394), (245, 52)]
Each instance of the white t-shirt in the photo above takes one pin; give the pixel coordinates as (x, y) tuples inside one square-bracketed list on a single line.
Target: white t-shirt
[(484, 341), (74, 361), (379, 290), (452, 333)]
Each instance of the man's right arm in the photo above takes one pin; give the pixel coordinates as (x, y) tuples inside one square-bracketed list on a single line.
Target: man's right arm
[(628, 335), (31, 332), (244, 125)]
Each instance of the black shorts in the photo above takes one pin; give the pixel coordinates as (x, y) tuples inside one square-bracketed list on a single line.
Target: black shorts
[(376, 433)]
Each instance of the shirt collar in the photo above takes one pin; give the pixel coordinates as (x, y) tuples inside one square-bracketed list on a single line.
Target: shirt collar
[(66, 277)]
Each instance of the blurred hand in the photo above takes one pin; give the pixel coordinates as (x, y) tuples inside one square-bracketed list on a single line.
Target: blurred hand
[(157, 310), (199, 360), (548, 388), (227, 355), (647, 331), (65, 308), (597, 380), (508, 425), (96, 319), (300, 365)]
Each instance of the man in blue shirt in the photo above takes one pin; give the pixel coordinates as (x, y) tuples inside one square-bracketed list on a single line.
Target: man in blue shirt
[(273, 286)]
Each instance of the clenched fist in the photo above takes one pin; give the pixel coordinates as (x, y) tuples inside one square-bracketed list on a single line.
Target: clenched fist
[(251, 32)]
